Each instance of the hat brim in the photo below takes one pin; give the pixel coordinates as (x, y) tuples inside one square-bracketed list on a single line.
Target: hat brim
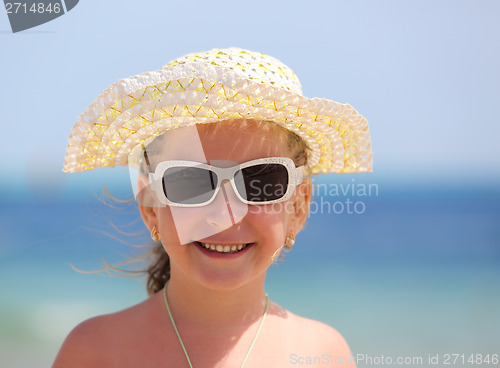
[(135, 110)]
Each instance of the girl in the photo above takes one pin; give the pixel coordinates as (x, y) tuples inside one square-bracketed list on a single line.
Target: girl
[(224, 144)]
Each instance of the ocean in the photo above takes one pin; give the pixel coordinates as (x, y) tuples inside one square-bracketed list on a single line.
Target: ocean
[(410, 274)]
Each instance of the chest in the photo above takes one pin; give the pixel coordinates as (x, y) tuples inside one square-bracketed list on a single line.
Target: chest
[(275, 347)]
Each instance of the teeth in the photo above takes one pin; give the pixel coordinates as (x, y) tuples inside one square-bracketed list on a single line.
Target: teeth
[(224, 248)]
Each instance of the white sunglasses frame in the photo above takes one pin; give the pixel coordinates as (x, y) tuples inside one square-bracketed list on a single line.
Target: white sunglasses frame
[(295, 177)]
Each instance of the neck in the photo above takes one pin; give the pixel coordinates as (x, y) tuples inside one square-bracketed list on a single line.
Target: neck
[(202, 306)]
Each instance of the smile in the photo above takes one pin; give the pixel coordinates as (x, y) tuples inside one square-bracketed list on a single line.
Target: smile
[(223, 248)]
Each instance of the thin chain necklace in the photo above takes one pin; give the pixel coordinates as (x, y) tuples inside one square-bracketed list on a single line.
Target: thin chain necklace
[(179, 336)]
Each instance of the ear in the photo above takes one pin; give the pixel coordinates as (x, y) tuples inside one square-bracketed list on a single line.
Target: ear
[(146, 200), (301, 200)]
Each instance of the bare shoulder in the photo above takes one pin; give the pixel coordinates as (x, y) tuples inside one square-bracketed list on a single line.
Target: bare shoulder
[(84, 344), (326, 333), (94, 342), (321, 342), (320, 334)]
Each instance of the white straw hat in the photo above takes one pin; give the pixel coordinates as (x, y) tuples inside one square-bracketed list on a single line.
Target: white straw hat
[(212, 86)]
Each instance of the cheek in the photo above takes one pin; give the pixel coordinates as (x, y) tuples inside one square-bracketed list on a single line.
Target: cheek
[(180, 225), (270, 220), (167, 228), (280, 212)]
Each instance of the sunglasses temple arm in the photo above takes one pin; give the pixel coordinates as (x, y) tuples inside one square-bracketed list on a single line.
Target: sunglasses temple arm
[(300, 174), (152, 179)]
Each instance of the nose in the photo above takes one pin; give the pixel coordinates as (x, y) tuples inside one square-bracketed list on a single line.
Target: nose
[(224, 212), (227, 209)]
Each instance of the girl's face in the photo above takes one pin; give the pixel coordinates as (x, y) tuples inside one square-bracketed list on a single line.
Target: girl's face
[(260, 230)]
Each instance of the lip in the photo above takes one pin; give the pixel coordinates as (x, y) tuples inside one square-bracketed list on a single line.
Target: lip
[(214, 254)]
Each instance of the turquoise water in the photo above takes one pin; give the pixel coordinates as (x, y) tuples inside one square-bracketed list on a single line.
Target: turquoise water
[(416, 274)]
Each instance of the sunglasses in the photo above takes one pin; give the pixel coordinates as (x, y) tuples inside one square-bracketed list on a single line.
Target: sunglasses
[(194, 184)]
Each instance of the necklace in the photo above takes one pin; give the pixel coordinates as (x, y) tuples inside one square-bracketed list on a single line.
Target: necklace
[(179, 336)]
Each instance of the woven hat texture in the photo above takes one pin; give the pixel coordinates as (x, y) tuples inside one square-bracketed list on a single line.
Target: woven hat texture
[(212, 86)]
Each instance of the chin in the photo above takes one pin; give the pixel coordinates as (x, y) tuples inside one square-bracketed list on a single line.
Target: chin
[(225, 281)]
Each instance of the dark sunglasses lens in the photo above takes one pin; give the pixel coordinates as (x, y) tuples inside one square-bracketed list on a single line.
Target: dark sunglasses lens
[(262, 183), (189, 185)]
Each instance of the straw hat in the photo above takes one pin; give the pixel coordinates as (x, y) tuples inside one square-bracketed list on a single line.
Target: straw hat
[(211, 86)]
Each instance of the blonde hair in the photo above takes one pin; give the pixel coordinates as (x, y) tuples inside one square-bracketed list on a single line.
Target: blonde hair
[(295, 145)]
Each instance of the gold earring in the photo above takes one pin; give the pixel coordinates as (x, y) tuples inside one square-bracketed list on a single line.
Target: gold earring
[(290, 240), (155, 235)]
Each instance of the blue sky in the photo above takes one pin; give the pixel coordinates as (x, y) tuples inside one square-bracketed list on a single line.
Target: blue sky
[(425, 74)]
